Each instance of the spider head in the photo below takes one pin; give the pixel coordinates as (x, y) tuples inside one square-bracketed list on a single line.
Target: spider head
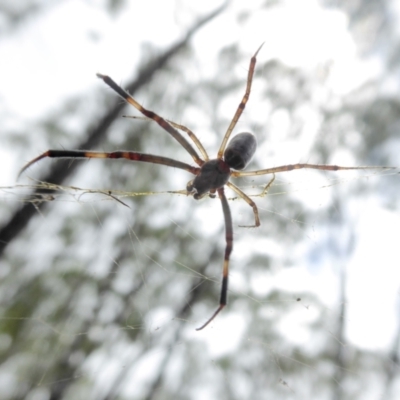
[(213, 175)]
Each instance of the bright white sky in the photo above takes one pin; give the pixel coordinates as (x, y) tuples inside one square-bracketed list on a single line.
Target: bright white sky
[(53, 59)]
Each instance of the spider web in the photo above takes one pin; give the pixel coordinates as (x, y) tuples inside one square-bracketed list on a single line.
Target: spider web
[(148, 289)]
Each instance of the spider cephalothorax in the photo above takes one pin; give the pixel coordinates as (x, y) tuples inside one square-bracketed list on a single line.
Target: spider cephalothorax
[(211, 176), (215, 173)]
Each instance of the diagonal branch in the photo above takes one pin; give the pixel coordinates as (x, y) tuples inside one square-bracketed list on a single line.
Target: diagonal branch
[(62, 170)]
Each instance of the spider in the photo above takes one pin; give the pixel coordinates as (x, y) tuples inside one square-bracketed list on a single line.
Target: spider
[(211, 175)]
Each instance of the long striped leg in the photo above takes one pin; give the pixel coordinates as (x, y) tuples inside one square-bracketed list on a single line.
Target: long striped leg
[(128, 155), (152, 115), (228, 250), (242, 104), (291, 167), (190, 133)]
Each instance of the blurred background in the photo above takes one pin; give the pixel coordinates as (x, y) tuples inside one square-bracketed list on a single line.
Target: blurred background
[(105, 275)]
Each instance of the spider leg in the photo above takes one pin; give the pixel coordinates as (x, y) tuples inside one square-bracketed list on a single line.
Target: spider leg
[(291, 167), (190, 133), (128, 155), (250, 202), (266, 188), (242, 104), (228, 250), (152, 115)]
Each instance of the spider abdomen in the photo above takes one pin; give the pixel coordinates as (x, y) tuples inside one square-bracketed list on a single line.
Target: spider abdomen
[(240, 150), (214, 174)]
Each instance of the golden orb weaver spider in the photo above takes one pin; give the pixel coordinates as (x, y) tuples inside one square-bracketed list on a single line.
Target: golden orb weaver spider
[(211, 176)]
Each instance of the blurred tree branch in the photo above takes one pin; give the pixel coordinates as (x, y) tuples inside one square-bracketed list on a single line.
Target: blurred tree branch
[(63, 169)]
